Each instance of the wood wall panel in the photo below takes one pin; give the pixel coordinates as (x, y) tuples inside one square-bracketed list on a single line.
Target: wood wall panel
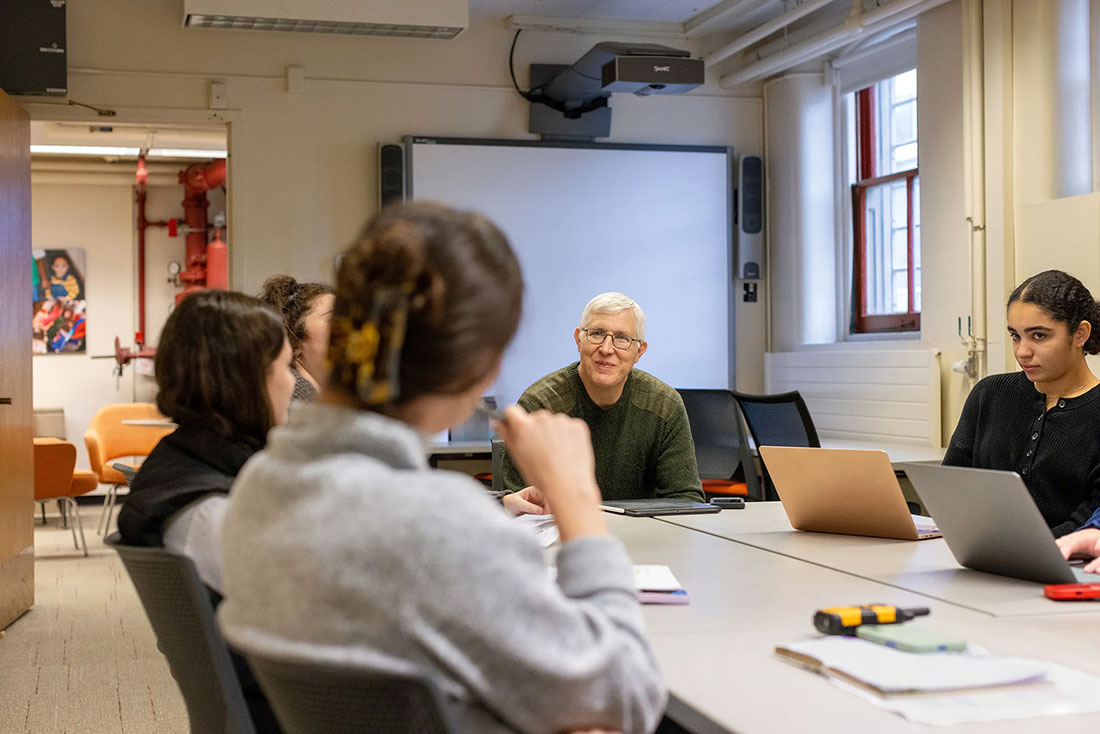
[(16, 411)]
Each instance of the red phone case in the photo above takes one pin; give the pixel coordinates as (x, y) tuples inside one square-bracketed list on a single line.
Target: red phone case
[(1062, 592)]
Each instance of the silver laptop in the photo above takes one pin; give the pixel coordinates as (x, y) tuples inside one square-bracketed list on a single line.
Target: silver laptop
[(991, 523)]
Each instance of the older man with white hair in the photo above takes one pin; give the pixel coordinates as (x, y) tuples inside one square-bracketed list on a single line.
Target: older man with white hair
[(640, 431)]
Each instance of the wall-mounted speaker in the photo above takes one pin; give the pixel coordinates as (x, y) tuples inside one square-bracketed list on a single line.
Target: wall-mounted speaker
[(391, 173), (750, 217), (32, 47)]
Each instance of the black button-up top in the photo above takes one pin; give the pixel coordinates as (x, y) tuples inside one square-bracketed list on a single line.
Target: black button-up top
[(1005, 425)]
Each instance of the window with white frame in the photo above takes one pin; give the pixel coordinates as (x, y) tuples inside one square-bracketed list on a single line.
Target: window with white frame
[(885, 185)]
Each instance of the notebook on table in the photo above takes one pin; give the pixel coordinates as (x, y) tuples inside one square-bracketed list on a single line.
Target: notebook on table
[(656, 584), (658, 506)]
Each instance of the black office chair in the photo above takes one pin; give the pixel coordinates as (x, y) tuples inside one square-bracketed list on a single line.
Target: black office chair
[(128, 472), (181, 612), (777, 420), (330, 698), (720, 445)]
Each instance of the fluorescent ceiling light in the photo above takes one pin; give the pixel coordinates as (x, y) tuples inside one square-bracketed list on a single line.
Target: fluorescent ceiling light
[(104, 150), (185, 153), (318, 26)]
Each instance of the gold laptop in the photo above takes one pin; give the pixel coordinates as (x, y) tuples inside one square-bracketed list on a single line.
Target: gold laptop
[(847, 491)]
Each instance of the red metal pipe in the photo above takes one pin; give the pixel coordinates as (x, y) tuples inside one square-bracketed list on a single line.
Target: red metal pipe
[(141, 178), (141, 225), (197, 179)]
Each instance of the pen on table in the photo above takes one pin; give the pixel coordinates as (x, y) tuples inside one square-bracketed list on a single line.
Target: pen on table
[(616, 510)]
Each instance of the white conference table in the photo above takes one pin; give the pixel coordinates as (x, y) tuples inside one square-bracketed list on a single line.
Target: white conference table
[(717, 652), (922, 567)]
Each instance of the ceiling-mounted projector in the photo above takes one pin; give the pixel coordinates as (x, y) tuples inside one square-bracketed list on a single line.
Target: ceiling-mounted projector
[(570, 102), (639, 68)]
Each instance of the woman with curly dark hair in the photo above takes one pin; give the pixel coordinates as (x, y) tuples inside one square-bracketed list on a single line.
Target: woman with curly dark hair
[(1044, 421), (306, 310)]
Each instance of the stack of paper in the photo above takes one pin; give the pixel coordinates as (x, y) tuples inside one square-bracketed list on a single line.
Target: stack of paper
[(543, 526), (656, 584), (947, 688), (887, 671)]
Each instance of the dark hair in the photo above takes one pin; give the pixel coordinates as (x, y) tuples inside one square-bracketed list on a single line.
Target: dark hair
[(215, 353), (426, 301), (293, 300), (1065, 299)]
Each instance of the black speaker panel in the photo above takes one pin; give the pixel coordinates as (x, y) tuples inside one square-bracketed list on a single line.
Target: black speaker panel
[(33, 53), (391, 174), (752, 194)]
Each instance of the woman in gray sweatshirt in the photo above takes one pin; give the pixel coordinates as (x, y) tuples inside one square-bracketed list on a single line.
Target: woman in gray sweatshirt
[(342, 544)]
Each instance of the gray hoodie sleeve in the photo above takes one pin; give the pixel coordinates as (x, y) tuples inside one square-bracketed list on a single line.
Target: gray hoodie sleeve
[(543, 656)]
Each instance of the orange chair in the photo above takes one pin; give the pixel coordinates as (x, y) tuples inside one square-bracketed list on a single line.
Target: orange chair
[(725, 488), (55, 479), (108, 438)]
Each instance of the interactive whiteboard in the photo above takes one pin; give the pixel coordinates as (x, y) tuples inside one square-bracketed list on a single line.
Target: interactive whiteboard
[(653, 222)]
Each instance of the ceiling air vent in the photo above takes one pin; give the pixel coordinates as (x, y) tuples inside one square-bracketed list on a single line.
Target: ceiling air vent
[(436, 19)]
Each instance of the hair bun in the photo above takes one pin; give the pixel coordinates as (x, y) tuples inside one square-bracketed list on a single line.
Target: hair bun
[(278, 290)]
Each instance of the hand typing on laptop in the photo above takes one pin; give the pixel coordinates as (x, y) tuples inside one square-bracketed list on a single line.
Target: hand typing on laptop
[(1082, 544)]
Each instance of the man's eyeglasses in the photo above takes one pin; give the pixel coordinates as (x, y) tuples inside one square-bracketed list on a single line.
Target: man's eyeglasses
[(619, 341)]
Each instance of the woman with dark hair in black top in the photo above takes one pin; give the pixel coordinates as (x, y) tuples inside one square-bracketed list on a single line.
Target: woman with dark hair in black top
[(1042, 422), (223, 373)]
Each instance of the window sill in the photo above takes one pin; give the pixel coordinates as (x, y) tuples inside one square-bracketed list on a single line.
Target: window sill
[(885, 336)]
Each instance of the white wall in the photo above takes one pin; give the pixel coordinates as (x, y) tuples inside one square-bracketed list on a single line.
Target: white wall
[(945, 233), (1053, 142), (96, 218), (303, 166)]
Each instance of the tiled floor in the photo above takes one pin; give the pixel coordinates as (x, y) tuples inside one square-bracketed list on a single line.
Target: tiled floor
[(84, 660)]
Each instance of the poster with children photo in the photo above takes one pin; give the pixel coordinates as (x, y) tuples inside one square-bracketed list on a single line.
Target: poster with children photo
[(59, 324)]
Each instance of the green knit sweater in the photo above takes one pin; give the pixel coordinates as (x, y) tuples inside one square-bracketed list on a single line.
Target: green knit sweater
[(642, 443)]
